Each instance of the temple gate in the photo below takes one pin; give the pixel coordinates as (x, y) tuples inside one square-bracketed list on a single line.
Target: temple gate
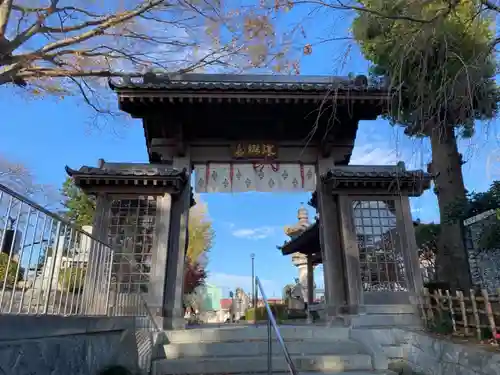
[(240, 133)]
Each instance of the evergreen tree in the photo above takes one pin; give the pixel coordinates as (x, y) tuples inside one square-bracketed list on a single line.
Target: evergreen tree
[(441, 74)]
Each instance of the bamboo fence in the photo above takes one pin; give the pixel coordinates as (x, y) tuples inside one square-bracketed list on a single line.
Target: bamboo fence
[(469, 315)]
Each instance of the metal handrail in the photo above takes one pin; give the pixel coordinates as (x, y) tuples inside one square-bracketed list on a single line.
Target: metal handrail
[(36, 206), (271, 324)]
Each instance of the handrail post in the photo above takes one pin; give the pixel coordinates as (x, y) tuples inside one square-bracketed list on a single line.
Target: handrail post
[(55, 249), (271, 324), (269, 347), (256, 301)]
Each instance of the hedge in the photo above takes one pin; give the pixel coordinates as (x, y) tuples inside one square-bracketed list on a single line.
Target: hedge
[(11, 273), (72, 279), (260, 313)]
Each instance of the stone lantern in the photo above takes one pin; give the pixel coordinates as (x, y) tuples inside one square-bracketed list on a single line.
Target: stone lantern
[(299, 260)]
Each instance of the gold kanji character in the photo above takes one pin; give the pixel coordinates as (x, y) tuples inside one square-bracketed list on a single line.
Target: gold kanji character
[(254, 149), (240, 151), (268, 150)]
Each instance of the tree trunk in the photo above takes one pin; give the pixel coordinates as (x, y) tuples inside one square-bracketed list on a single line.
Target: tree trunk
[(451, 261)]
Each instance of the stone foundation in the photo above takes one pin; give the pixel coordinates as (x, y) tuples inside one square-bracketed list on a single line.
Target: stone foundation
[(429, 355), (54, 345)]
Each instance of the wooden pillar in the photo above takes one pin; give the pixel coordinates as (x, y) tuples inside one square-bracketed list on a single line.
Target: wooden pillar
[(409, 245), (157, 283), (92, 301), (178, 237), (330, 244), (350, 254), (310, 287), (310, 280)]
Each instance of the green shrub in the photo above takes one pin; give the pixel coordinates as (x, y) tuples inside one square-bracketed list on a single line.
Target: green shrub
[(442, 325), (260, 313), (434, 286), (11, 272), (72, 279), (297, 314)]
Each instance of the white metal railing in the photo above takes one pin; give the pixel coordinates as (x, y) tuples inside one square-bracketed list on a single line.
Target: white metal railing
[(273, 326), (49, 266)]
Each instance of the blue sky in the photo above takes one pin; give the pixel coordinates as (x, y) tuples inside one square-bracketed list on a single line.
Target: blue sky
[(47, 134)]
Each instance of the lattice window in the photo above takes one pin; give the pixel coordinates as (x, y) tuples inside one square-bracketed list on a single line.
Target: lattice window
[(131, 231), (381, 260)]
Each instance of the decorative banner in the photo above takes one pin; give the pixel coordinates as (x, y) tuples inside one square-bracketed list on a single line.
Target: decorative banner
[(236, 178)]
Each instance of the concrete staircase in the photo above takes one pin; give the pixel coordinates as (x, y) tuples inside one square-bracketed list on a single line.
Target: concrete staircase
[(242, 349), (387, 316)]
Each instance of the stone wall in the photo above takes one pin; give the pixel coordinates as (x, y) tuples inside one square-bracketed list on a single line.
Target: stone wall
[(484, 263), (439, 357), (485, 268), (54, 345), (428, 355)]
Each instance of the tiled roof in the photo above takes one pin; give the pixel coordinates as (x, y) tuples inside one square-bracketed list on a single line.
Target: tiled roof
[(112, 177), (235, 82), (387, 179), (150, 171), (307, 241), (367, 174)]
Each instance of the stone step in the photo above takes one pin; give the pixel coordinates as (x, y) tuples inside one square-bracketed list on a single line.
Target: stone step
[(386, 320), (363, 372), (390, 336), (395, 351), (239, 365), (390, 309), (248, 333), (259, 348)]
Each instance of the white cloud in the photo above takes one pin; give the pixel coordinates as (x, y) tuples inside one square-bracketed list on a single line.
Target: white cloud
[(258, 233), (415, 155), (369, 154), (230, 282)]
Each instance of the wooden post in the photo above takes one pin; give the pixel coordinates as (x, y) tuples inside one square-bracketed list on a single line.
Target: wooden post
[(330, 244), (310, 288), (463, 310), (477, 321), (421, 304), (428, 302), (489, 312), (350, 255), (452, 313), (178, 237), (438, 304), (157, 293)]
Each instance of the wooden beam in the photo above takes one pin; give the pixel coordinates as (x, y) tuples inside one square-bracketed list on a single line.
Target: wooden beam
[(221, 151), (180, 144), (133, 190), (364, 98)]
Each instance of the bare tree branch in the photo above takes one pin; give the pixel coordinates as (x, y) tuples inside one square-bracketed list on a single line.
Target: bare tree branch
[(49, 47), (5, 9), (20, 179)]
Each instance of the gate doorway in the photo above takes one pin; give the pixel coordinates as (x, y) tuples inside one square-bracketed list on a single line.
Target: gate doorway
[(265, 133)]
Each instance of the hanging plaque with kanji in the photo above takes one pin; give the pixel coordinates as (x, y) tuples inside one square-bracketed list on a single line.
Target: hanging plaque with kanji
[(255, 150)]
